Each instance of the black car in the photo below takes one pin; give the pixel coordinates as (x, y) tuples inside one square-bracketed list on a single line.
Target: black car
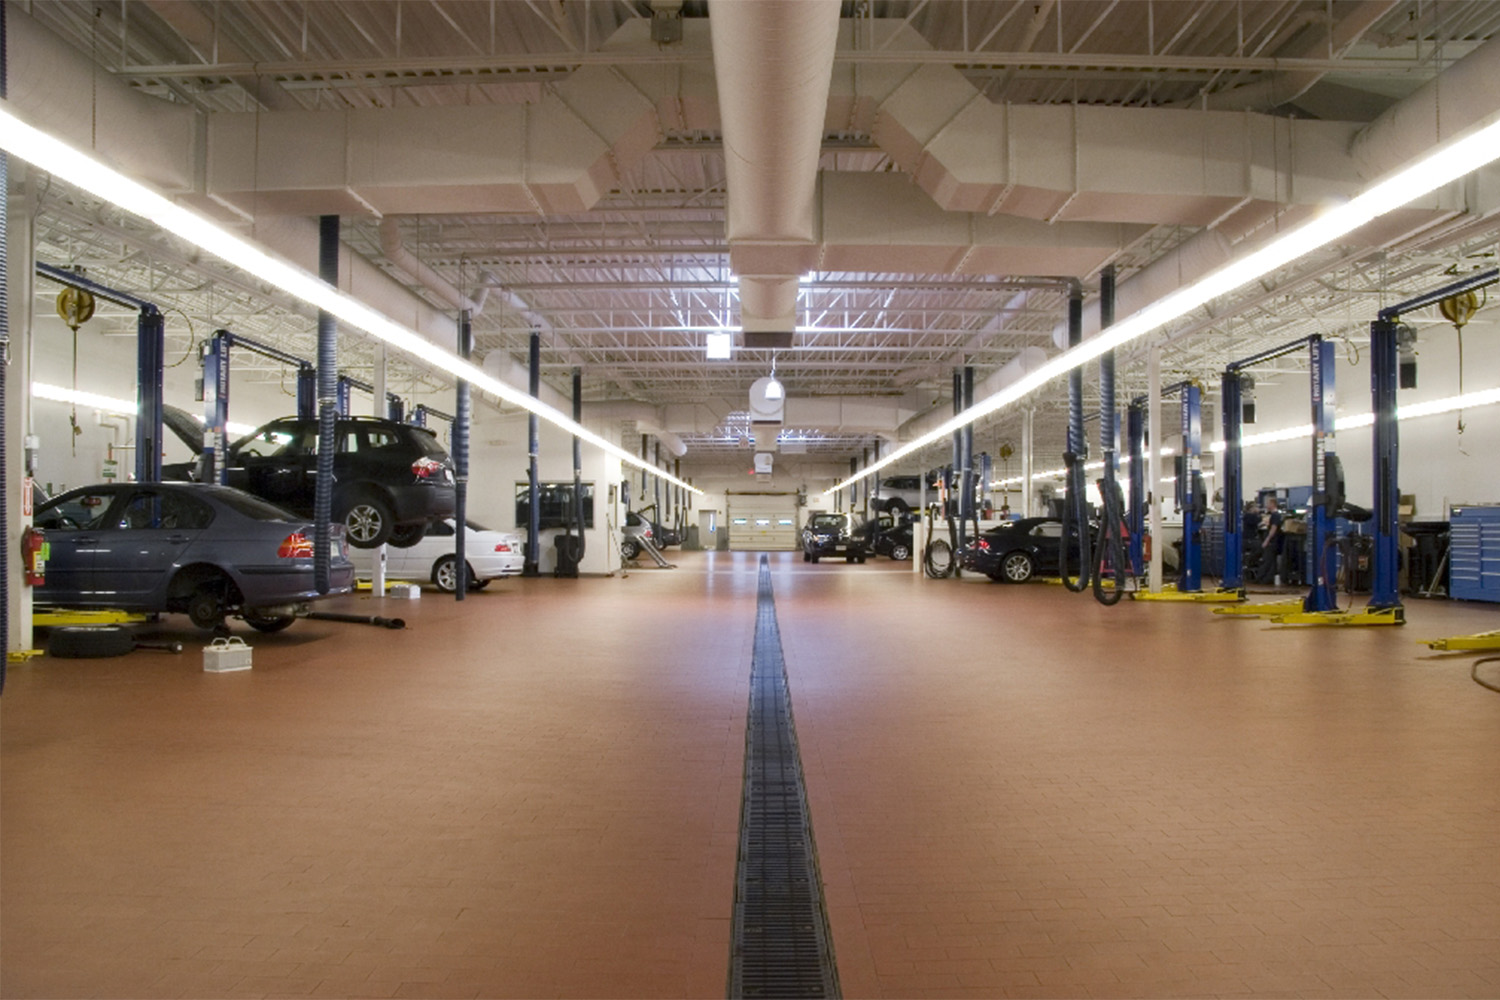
[(1016, 551), (390, 479), (831, 535), (888, 536), (205, 551)]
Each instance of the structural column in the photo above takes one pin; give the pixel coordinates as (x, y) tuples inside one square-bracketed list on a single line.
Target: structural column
[(461, 417), (328, 270), (532, 564), (1153, 461)]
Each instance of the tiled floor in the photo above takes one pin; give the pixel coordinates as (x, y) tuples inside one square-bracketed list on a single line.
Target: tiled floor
[(1014, 792)]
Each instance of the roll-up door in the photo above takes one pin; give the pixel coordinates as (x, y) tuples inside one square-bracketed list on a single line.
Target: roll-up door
[(763, 522)]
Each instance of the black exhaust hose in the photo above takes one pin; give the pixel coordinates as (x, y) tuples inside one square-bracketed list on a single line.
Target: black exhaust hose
[(1110, 549), (461, 418), (1075, 521), (328, 270), (936, 545), (4, 375)]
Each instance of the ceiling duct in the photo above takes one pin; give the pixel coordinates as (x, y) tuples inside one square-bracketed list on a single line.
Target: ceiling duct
[(773, 60)]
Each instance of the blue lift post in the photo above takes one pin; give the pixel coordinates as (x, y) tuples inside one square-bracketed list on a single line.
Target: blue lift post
[(1135, 431), (1190, 579), (1231, 401), (1322, 532), (150, 351)]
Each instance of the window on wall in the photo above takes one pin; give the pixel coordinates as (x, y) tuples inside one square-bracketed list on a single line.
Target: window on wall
[(555, 504)]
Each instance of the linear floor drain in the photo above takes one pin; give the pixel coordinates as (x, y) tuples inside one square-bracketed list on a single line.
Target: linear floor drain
[(781, 944)]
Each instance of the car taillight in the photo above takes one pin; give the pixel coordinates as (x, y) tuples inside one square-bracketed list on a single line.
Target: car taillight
[(295, 546), (425, 467), (503, 547)]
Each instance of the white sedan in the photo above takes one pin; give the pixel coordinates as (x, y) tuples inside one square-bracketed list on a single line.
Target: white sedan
[(490, 554)]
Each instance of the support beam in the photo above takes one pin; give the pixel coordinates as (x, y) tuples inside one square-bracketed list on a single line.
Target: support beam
[(1153, 462)]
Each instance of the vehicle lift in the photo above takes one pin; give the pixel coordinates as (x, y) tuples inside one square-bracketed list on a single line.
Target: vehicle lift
[(1328, 486), (1385, 607), (215, 360), (1191, 500)]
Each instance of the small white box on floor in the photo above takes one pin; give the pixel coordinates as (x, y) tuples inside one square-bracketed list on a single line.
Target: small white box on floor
[(405, 591), (223, 655)]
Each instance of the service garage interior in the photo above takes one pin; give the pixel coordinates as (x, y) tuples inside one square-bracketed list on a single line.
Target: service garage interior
[(750, 498)]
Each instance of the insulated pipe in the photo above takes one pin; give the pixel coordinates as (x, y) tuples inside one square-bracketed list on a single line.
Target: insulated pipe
[(966, 504), (532, 564), (773, 63), (395, 251), (328, 270), (1109, 420), (461, 405)]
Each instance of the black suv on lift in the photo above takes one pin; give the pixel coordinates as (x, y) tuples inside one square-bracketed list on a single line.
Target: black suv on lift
[(390, 479)]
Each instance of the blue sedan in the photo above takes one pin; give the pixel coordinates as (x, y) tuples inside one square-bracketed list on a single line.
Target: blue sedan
[(206, 551)]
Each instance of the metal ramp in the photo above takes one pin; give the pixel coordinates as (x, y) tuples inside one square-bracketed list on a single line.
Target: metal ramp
[(649, 547)]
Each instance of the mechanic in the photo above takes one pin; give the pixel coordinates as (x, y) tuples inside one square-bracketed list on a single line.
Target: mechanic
[(1269, 568)]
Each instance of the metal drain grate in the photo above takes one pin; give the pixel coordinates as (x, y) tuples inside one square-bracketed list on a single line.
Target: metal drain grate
[(781, 944)]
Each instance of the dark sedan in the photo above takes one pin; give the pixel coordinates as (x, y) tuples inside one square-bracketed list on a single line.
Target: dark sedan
[(205, 551), (1016, 551), (887, 536)]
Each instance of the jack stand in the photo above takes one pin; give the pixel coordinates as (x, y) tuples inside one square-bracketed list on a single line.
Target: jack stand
[(1362, 617), (1170, 593), (1478, 641)]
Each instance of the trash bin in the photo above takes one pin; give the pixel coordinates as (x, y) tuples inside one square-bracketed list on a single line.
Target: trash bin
[(569, 555)]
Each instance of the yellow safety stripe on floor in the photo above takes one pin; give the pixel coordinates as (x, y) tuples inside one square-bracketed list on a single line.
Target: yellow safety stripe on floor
[(1362, 617), (1170, 593), (1480, 640), (1262, 608), (70, 616)]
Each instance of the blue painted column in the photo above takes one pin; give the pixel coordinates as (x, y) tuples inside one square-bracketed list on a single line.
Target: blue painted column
[(461, 419), (1322, 541), (532, 564), (1231, 400), (328, 270), (1384, 370), (150, 350), (216, 407), (1191, 578), (1135, 430)]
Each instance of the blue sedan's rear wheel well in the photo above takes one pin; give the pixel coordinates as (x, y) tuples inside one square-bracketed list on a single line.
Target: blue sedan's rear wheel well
[(192, 578)]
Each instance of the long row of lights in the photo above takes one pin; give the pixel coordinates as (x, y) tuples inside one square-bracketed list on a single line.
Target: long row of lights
[(1411, 411), (1443, 165), (82, 171)]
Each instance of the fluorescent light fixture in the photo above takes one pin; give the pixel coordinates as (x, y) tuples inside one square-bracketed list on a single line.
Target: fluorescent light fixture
[(1411, 411), (83, 171), (720, 346), (77, 397), (1442, 165)]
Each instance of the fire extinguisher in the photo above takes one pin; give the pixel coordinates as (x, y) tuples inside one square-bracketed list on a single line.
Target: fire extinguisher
[(34, 556)]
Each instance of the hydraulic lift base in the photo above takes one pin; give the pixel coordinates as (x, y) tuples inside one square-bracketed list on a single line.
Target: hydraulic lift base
[(1481, 640), (1169, 592), (1362, 617), (67, 616), (1262, 608), (22, 655)]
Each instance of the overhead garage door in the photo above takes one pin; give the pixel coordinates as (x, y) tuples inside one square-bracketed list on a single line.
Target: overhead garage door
[(763, 522)]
